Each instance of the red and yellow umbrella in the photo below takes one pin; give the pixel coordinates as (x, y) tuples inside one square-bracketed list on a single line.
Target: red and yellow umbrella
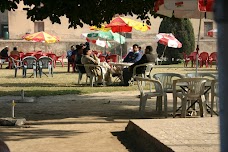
[(123, 24), (102, 28), (41, 37)]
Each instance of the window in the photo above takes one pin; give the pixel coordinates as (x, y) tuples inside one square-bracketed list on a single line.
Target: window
[(128, 35), (207, 27), (38, 26)]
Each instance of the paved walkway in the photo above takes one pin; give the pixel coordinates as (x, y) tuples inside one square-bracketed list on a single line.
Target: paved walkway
[(70, 123), (184, 134)]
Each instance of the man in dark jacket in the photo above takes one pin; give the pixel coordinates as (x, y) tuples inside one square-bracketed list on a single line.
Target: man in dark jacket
[(4, 53), (148, 57), (134, 56)]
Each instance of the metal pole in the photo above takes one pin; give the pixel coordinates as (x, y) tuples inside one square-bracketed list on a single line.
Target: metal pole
[(22, 95), (197, 45), (105, 46), (163, 54), (13, 105), (121, 50), (221, 17), (121, 53)]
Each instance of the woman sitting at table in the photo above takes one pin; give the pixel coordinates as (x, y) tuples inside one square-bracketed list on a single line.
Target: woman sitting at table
[(148, 57)]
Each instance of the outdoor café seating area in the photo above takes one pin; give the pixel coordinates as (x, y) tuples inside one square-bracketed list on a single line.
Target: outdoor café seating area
[(194, 94), (197, 93), (35, 60), (204, 58)]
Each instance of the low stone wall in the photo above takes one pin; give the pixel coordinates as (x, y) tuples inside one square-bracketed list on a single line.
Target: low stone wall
[(62, 46)]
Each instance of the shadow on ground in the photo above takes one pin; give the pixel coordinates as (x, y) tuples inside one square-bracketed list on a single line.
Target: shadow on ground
[(127, 140), (102, 106)]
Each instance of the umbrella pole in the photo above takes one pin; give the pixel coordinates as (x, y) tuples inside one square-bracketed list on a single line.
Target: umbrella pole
[(197, 46), (34, 46), (46, 47), (105, 46), (121, 53), (121, 49), (163, 54)]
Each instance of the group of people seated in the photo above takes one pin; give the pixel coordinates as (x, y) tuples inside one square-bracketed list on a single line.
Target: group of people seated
[(4, 55), (137, 58), (4, 52), (81, 54)]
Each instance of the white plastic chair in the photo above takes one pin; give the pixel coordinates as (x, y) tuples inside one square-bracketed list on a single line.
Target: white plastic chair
[(45, 62), (29, 62), (91, 72), (166, 80), (80, 74), (214, 95), (147, 73), (194, 91), (148, 94), (201, 75), (208, 76), (16, 65), (149, 67)]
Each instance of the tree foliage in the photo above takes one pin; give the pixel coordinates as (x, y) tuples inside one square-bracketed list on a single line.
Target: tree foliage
[(182, 29), (8, 5), (79, 12)]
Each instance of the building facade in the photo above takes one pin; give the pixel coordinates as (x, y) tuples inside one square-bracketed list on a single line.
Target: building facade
[(14, 25)]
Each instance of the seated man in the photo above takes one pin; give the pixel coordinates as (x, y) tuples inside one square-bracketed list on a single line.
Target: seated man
[(71, 58), (89, 58), (4, 56), (70, 53), (4, 53), (148, 57), (133, 56), (14, 52)]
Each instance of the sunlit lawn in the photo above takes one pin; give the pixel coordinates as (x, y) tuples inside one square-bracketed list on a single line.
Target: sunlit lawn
[(66, 83)]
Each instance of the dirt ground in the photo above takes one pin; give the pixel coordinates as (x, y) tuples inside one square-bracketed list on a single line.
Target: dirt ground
[(71, 123)]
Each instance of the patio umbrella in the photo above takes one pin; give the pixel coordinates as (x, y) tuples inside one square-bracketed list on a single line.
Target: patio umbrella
[(168, 39), (109, 35), (123, 24), (102, 28), (96, 40), (104, 44), (186, 9), (212, 33), (41, 37)]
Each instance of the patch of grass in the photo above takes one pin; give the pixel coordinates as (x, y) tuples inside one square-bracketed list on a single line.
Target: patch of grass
[(66, 83)]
